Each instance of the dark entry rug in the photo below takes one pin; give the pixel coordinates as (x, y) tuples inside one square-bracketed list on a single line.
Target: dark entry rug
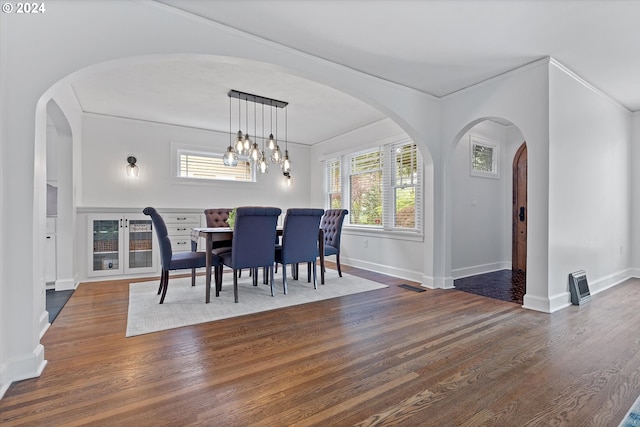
[(505, 285)]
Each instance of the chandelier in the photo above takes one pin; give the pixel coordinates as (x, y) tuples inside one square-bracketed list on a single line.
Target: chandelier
[(244, 145)]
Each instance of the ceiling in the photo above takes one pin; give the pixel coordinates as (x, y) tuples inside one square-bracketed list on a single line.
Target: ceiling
[(437, 47)]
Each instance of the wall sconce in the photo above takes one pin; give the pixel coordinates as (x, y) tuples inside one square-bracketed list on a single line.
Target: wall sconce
[(132, 168)]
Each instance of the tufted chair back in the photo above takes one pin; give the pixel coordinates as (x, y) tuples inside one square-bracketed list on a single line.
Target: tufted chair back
[(300, 237), (217, 217), (332, 226), (163, 236)]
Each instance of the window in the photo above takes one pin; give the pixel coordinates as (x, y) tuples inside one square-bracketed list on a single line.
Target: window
[(201, 165), (484, 157), (381, 187), (405, 182), (365, 189), (333, 185)]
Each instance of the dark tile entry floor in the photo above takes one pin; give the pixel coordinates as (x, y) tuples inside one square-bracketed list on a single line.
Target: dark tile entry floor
[(505, 285), (55, 301)]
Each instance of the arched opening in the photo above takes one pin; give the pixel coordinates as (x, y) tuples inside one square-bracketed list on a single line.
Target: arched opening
[(108, 137), (484, 219)]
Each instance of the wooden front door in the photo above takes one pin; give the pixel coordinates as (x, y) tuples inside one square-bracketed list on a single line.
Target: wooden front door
[(519, 246)]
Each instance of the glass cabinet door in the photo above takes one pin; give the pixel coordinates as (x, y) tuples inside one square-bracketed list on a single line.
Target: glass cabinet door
[(106, 245), (139, 235)]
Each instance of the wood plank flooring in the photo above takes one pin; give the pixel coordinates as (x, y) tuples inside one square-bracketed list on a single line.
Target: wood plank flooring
[(386, 357)]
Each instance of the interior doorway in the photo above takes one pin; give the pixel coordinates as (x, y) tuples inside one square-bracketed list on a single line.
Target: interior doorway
[(519, 217)]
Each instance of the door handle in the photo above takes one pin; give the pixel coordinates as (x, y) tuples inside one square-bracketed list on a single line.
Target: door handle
[(521, 214)]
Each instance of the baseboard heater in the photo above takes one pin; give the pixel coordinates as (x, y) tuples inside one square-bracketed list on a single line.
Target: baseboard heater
[(579, 287)]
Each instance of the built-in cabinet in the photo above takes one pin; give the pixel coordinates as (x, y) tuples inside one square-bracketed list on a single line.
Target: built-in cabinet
[(121, 244), (124, 243)]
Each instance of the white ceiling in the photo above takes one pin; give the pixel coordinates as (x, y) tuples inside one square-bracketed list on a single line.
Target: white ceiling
[(437, 47)]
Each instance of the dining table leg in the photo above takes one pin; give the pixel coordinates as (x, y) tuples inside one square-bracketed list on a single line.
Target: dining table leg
[(209, 246)]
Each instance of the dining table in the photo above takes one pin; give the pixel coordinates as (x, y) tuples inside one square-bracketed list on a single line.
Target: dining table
[(216, 234)]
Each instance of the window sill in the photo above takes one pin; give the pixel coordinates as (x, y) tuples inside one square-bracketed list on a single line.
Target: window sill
[(411, 236)]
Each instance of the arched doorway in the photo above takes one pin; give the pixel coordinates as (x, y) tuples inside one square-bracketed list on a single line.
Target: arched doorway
[(485, 210)]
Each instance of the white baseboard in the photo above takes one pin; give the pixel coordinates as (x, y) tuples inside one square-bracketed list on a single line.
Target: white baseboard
[(4, 380), (65, 285), (22, 369), (437, 282), (414, 276), (44, 323), (609, 281), (474, 270)]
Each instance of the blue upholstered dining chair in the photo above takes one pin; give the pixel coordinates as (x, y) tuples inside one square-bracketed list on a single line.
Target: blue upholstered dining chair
[(332, 226), (299, 241), (175, 261), (254, 234)]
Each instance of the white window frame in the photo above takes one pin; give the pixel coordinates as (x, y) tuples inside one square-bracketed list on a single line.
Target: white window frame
[(413, 181), (179, 151), (388, 190), (476, 141), (348, 162), (331, 165)]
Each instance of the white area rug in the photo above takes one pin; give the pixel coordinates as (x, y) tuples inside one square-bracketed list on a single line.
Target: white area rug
[(632, 419), (184, 304)]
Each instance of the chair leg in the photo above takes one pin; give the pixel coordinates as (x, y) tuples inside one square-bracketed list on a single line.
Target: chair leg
[(254, 272), (315, 276), (338, 263), (161, 282), (193, 277), (235, 285), (308, 272), (284, 277), (166, 285), (217, 279), (271, 274), (265, 277)]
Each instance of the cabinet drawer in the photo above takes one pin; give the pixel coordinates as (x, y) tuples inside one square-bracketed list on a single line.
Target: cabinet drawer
[(180, 230), (182, 219), (180, 244)]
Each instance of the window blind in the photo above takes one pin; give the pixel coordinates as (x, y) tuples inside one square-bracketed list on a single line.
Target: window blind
[(204, 166)]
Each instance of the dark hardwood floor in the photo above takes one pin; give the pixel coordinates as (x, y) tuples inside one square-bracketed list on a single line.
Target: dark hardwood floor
[(385, 357)]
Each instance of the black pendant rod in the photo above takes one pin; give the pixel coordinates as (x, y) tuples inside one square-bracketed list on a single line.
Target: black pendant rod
[(257, 99)]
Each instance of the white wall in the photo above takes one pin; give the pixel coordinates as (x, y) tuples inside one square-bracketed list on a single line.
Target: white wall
[(589, 199), (634, 160), (108, 141), (388, 253)]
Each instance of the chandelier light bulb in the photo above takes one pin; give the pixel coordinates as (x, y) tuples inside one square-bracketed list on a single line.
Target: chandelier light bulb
[(254, 153), (276, 155), (286, 163), (230, 158), (239, 147), (271, 145), (263, 165)]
